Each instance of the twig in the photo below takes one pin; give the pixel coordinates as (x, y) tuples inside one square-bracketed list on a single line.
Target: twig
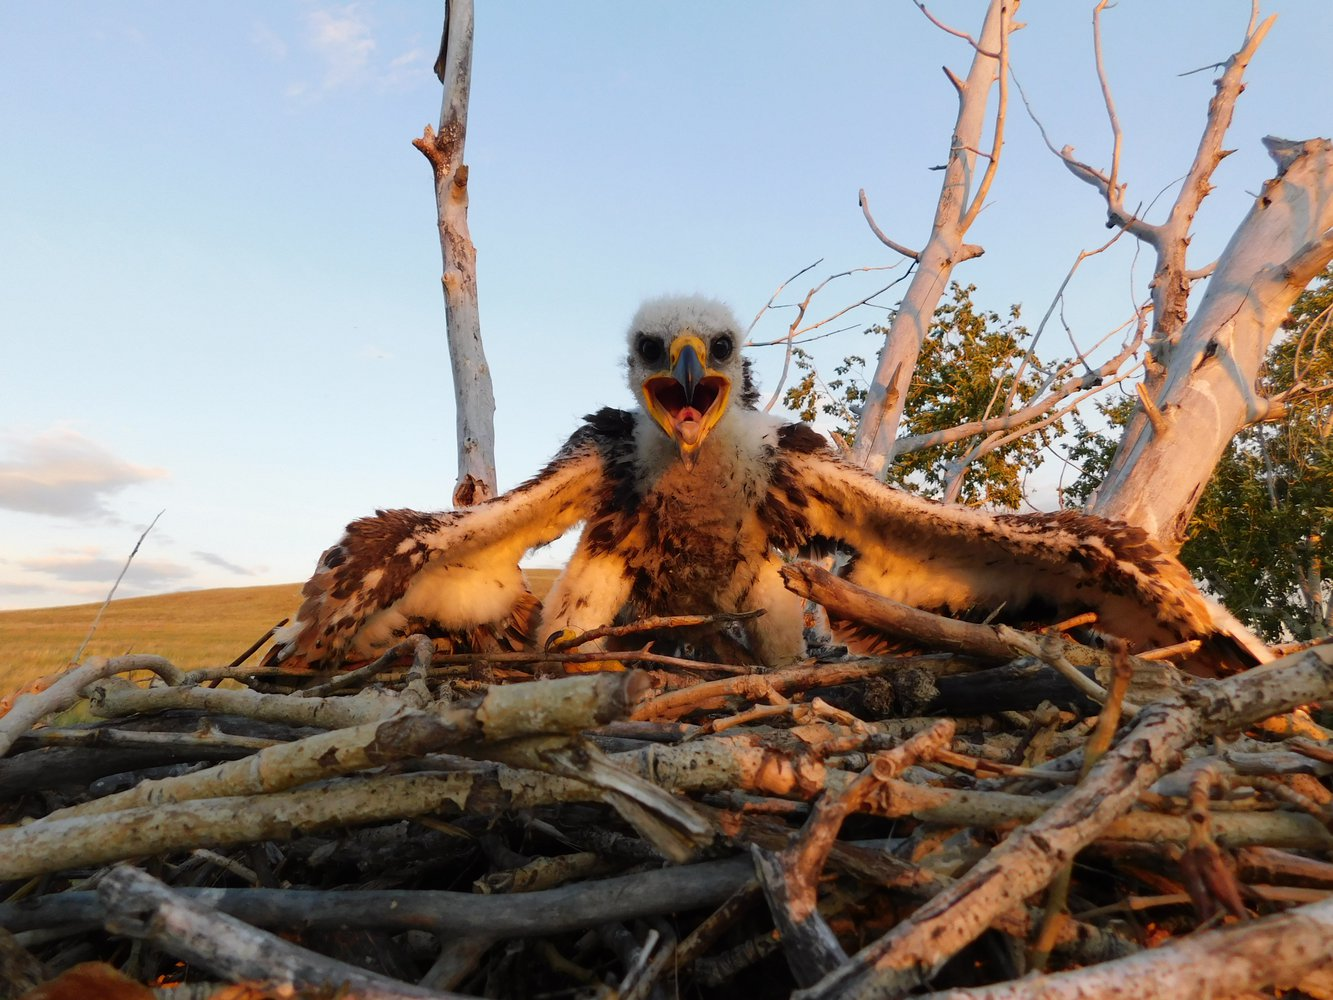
[(506, 712), (29, 709), (140, 906), (78, 656), (1241, 960), (564, 643), (542, 911), (908, 955)]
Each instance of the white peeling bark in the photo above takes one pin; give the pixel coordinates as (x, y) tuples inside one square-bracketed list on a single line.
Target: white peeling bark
[(1207, 389), (474, 397), (954, 213)]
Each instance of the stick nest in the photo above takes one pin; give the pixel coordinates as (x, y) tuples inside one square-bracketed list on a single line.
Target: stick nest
[(646, 825)]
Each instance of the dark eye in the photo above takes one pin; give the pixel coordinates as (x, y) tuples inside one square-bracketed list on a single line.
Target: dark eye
[(722, 348), (649, 348)]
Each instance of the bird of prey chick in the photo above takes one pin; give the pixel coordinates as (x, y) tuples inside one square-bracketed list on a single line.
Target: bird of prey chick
[(691, 503)]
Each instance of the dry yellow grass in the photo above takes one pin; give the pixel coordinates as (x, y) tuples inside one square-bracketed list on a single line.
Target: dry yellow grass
[(194, 629)]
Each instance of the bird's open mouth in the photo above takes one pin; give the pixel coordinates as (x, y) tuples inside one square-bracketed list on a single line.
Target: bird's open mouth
[(687, 399), (686, 421)]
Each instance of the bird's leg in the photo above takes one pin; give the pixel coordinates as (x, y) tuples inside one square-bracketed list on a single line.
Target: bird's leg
[(588, 594)]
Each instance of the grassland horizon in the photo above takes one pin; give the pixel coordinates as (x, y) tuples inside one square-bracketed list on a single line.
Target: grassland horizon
[(194, 628)]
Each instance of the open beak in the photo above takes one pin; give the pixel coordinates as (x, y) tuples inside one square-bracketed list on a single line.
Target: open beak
[(687, 398)]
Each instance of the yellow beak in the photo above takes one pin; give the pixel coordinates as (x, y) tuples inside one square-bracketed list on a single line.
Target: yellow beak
[(687, 398)]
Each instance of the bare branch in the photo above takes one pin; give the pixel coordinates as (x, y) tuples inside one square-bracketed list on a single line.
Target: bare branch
[(882, 412), (1114, 191), (953, 31), (1001, 112), (864, 202), (795, 329), (140, 906), (776, 292)]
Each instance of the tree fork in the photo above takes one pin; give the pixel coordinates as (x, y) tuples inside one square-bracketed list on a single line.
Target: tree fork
[(1207, 392)]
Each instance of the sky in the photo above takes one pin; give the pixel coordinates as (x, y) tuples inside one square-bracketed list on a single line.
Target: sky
[(219, 267)]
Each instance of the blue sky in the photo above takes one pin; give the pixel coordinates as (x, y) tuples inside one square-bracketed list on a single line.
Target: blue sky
[(221, 272)]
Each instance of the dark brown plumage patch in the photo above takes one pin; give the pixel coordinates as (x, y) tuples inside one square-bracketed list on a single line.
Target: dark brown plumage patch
[(782, 508), (749, 395), (612, 432), (337, 598), (801, 438)]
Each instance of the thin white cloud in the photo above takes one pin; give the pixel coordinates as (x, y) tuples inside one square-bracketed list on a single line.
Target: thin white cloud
[(91, 566), (408, 59), (342, 39), (268, 41), (213, 559), (341, 36), (61, 473), (415, 66)]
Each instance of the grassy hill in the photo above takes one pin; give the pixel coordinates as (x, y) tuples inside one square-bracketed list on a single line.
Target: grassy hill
[(193, 629)]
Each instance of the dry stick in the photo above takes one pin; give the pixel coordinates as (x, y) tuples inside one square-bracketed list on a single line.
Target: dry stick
[(507, 711), (1268, 864), (700, 767), (708, 766), (674, 828), (141, 907), (1206, 875), (473, 394), (916, 949), (360, 674), (708, 694), (117, 699), (1054, 914), (791, 878), (52, 845), (998, 810), (566, 643), (529, 914), (844, 599), (1277, 951), (1051, 650), (254, 646), (112, 592), (207, 739), (29, 709), (628, 655)]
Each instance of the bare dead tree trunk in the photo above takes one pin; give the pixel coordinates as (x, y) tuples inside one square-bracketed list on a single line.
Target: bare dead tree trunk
[(882, 412), (1205, 388), (474, 398)]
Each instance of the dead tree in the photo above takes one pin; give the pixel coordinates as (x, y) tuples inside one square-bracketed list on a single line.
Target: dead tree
[(955, 212), (1199, 388), (473, 396)]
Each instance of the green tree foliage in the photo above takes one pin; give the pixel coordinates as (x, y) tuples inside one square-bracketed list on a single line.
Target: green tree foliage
[(964, 373), (1261, 537)]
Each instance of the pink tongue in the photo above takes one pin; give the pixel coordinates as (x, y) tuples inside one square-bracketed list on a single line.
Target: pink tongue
[(688, 424)]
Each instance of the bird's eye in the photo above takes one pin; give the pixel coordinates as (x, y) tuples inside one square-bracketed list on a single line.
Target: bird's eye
[(649, 348), (722, 348)]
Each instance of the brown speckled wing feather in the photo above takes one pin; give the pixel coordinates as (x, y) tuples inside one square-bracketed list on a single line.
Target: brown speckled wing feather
[(958, 560), (380, 559)]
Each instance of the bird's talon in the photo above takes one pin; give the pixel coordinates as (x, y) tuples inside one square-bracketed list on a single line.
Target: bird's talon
[(563, 639)]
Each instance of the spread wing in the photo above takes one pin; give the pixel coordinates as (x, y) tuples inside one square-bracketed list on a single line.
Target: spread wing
[(451, 572), (957, 560)]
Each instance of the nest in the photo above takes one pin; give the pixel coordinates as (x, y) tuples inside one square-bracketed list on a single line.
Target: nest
[(437, 825)]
